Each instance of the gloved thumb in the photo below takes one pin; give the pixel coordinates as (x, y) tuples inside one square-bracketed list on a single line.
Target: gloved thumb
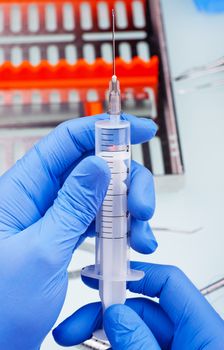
[(74, 209), (126, 330)]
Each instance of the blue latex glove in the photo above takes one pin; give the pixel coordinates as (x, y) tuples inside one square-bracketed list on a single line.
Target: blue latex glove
[(182, 320), (210, 5), (48, 202)]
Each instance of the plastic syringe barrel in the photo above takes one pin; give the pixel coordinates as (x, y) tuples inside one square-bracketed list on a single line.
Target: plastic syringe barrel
[(112, 222)]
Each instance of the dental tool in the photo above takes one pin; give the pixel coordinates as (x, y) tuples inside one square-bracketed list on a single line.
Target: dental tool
[(196, 72)]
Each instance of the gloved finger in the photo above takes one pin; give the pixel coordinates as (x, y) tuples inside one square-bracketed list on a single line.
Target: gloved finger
[(179, 298), (142, 238), (141, 204), (155, 318), (80, 326), (74, 209), (70, 140), (74, 164), (81, 141), (141, 197), (126, 330), (36, 178)]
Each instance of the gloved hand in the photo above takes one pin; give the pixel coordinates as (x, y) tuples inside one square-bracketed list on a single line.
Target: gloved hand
[(182, 320), (48, 203), (210, 5)]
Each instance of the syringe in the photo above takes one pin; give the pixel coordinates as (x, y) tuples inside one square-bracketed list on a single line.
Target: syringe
[(112, 143)]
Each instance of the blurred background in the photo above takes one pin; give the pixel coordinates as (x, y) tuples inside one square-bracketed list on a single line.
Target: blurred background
[(55, 64)]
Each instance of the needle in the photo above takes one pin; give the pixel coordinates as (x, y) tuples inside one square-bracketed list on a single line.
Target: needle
[(113, 39)]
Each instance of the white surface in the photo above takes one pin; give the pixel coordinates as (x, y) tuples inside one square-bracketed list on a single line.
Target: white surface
[(193, 39)]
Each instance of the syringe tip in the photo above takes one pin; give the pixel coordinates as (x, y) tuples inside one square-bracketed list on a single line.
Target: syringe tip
[(114, 78)]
